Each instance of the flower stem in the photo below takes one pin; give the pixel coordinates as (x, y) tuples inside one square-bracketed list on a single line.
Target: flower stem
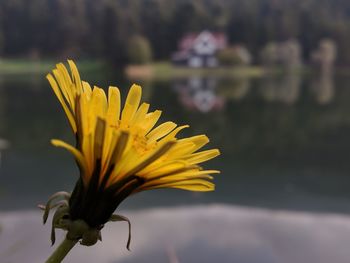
[(61, 251)]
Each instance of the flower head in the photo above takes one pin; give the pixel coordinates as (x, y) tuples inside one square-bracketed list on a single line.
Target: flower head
[(121, 151)]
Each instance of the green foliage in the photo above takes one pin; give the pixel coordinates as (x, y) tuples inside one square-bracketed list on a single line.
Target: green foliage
[(231, 57), (41, 67), (269, 54), (139, 50)]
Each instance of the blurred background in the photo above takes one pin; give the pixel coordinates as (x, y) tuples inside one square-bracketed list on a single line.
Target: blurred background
[(266, 80)]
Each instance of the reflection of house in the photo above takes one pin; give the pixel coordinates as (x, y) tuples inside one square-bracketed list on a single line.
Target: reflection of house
[(199, 50), (199, 94)]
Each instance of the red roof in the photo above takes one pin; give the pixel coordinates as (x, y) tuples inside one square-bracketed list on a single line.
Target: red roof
[(188, 40)]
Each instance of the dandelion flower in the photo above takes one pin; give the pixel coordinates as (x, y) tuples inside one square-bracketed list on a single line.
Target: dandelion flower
[(120, 151)]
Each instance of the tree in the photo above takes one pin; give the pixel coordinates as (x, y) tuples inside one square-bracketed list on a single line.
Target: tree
[(139, 50)]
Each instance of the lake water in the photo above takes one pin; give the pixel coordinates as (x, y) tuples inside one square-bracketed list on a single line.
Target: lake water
[(284, 140), (284, 184)]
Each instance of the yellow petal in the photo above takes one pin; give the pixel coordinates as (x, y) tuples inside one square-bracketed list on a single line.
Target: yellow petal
[(87, 89), (132, 103), (203, 156), (114, 159), (99, 102), (173, 134), (64, 88), (67, 83), (183, 175), (161, 131), (140, 115), (99, 138), (194, 187), (84, 115), (77, 154), (199, 141), (126, 160), (163, 167), (150, 120), (61, 67), (190, 185), (180, 149), (79, 121), (120, 147), (88, 151), (148, 159), (113, 112), (76, 76), (58, 93)]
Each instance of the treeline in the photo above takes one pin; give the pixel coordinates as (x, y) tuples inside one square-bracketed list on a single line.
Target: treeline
[(102, 29)]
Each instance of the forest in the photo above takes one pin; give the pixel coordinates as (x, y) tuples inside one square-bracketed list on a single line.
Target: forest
[(102, 29)]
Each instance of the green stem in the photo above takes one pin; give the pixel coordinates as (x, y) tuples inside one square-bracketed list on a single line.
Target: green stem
[(61, 251)]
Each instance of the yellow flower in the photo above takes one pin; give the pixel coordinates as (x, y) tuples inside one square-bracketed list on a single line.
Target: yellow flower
[(121, 151)]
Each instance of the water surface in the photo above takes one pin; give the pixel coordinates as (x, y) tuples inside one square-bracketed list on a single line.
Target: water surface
[(284, 140)]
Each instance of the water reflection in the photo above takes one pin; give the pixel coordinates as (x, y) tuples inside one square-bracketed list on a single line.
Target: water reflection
[(283, 88), (281, 146), (3, 101), (323, 88), (208, 94), (234, 89), (199, 93), (4, 144)]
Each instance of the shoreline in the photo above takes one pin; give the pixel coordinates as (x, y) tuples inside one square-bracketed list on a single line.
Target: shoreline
[(14, 67), (165, 71)]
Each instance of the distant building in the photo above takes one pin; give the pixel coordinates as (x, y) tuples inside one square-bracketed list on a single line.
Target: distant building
[(199, 50)]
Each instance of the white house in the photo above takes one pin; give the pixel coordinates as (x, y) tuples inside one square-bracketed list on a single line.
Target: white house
[(199, 50)]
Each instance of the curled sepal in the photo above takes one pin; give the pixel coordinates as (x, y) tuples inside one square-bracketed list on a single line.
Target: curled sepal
[(64, 195), (62, 212), (115, 218)]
